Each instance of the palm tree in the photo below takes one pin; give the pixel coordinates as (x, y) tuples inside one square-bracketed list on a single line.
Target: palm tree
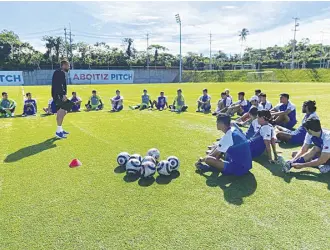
[(243, 34), (50, 44)]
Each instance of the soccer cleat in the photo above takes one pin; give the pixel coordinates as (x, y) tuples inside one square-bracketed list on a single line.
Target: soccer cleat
[(286, 168), (202, 167), (324, 169), (65, 133), (60, 135)]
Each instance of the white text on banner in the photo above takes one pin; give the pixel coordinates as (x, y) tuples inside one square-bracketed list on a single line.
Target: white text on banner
[(101, 76)]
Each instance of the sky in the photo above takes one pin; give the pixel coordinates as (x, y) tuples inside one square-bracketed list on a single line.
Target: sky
[(269, 23)]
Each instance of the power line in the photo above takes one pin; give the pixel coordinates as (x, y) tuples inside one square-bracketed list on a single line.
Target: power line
[(39, 32)]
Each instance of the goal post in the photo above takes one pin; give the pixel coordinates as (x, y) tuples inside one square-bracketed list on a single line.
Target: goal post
[(262, 76)]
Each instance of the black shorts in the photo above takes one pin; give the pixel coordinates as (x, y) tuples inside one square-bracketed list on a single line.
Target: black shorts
[(67, 105)]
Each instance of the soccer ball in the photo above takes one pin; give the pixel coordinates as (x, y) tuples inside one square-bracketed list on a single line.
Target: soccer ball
[(123, 158), (148, 169), (164, 168), (149, 158), (137, 157), (174, 162), (154, 152), (133, 166)]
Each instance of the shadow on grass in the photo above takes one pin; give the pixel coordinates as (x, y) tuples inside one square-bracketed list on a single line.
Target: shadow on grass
[(45, 115), (287, 145), (120, 170), (31, 150), (234, 188), (311, 176), (166, 179), (146, 182), (131, 177)]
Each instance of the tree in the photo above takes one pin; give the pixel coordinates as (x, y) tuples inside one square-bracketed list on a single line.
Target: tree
[(156, 48), (243, 35), (129, 50)]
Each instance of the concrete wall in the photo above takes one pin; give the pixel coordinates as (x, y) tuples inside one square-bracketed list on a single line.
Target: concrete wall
[(44, 77)]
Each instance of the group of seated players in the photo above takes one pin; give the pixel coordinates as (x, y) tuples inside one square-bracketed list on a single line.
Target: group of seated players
[(267, 125)]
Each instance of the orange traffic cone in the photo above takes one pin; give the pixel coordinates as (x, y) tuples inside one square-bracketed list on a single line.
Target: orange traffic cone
[(75, 163)]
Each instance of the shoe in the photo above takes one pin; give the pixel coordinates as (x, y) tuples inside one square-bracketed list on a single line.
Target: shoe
[(324, 169), (286, 168), (208, 152), (65, 133), (211, 147), (60, 135), (202, 167), (23, 115), (197, 110), (12, 114)]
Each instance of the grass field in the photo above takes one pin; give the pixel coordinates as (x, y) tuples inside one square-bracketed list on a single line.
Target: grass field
[(44, 204)]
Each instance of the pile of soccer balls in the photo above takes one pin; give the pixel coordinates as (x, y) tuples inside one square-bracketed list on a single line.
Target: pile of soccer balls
[(148, 165)]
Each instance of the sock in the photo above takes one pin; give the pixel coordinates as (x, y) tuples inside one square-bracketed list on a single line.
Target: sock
[(300, 160), (59, 129), (113, 106)]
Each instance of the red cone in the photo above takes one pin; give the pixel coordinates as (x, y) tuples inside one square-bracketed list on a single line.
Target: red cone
[(75, 163)]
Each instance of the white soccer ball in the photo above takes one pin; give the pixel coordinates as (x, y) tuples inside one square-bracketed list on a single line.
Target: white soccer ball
[(174, 162), (164, 168), (149, 158), (154, 152), (137, 157), (133, 166), (123, 158), (148, 169)]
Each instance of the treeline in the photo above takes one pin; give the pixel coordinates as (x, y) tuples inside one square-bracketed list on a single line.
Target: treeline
[(16, 54)]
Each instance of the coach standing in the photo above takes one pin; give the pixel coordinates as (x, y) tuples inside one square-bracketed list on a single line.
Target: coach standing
[(59, 91)]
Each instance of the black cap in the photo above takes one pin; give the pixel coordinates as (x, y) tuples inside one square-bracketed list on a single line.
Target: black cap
[(223, 118), (285, 95)]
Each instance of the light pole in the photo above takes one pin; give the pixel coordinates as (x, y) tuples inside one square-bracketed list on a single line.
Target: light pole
[(178, 20), (296, 24)]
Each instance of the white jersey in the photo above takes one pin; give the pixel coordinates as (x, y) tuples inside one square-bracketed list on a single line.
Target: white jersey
[(256, 126), (267, 132), (290, 107), (226, 141), (242, 103), (265, 106), (310, 116), (323, 142)]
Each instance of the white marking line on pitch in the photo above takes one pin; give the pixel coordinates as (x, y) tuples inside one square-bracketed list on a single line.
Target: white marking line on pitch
[(89, 133)]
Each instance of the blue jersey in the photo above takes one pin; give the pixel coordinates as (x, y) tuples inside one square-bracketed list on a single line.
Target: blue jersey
[(162, 100), (237, 149), (31, 102), (145, 99), (257, 144), (288, 106)]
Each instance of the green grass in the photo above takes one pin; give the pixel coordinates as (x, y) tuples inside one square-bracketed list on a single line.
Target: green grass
[(46, 205)]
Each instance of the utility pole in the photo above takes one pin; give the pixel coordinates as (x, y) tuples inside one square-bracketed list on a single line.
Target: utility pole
[(321, 59), (70, 38), (210, 51), (296, 24), (66, 44), (147, 51)]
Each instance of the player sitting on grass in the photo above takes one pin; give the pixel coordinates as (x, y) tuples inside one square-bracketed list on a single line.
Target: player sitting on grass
[(297, 136), (161, 102), (284, 114), (229, 96), (30, 105), (51, 109), (204, 102), (232, 156), (254, 126), (240, 107), (146, 100), (263, 103), (77, 102), (223, 103), (264, 139), (245, 119), (179, 104), (94, 102), (318, 155), (257, 92), (7, 106), (117, 102)]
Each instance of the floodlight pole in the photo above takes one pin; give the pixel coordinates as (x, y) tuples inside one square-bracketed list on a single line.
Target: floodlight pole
[(178, 20), (296, 24)]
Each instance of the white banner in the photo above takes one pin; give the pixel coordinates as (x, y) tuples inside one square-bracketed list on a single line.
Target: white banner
[(101, 76), (11, 78)]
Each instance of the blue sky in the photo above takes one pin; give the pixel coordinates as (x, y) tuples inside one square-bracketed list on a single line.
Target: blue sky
[(269, 22)]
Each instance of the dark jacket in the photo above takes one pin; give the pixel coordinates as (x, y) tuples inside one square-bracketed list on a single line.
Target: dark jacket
[(59, 88)]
